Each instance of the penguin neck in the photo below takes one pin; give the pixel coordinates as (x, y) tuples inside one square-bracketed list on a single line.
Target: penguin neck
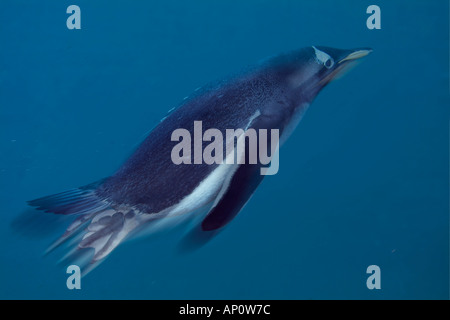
[(293, 121)]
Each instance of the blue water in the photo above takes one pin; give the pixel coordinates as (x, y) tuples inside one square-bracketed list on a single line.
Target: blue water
[(362, 181)]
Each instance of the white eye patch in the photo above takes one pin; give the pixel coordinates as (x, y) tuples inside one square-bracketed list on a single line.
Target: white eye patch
[(323, 58)]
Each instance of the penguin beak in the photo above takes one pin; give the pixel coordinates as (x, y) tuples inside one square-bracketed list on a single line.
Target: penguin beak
[(355, 55), (348, 60)]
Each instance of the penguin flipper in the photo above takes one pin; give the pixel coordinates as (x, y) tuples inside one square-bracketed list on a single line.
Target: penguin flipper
[(243, 183), (235, 193), (229, 203), (241, 187)]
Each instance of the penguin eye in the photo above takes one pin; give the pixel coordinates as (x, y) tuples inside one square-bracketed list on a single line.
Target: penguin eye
[(329, 63)]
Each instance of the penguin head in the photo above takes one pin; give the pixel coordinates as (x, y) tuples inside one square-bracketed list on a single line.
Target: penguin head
[(334, 62), (308, 70)]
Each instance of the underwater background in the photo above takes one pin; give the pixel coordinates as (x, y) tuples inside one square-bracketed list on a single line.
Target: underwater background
[(364, 179)]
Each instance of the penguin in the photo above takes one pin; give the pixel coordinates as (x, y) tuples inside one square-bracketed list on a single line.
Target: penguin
[(151, 191)]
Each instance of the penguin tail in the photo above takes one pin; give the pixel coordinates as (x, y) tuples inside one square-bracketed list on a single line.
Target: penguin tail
[(77, 201), (99, 226)]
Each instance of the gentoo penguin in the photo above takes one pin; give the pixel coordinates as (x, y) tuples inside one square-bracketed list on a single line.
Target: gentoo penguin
[(151, 189)]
